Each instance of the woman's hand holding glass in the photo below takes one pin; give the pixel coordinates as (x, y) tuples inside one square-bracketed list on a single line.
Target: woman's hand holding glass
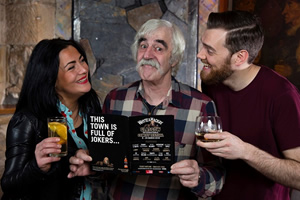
[(42, 151)]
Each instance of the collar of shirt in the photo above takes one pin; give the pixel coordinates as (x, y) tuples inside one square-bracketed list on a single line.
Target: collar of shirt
[(173, 91)]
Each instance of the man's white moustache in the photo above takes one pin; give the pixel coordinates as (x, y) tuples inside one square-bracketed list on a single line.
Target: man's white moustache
[(151, 62)]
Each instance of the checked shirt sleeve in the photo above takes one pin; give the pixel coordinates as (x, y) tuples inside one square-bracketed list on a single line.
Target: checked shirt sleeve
[(211, 181)]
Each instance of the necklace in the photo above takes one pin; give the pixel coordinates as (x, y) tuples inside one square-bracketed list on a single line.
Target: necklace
[(66, 112), (76, 119)]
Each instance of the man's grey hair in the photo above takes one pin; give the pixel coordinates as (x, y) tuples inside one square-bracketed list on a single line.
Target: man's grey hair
[(178, 42)]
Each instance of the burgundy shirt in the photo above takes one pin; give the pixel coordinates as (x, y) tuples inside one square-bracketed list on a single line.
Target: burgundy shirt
[(266, 114)]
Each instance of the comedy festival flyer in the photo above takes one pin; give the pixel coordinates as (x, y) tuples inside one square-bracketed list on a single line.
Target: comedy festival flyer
[(136, 145)]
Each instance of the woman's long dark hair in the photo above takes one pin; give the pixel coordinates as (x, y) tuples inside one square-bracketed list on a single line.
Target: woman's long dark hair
[(38, 93)]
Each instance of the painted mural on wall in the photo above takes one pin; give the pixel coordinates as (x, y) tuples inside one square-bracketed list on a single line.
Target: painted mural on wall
[(281, 22)]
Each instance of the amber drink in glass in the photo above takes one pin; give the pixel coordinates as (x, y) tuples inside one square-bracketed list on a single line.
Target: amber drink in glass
[(207, 124)]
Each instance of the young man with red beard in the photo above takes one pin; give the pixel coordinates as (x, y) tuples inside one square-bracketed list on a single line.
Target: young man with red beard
[(260, 110)]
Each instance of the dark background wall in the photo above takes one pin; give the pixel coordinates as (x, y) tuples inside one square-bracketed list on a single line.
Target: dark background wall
[(110, 26)]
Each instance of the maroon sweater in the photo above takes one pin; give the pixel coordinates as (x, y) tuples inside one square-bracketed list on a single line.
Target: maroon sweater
[(266, 114)]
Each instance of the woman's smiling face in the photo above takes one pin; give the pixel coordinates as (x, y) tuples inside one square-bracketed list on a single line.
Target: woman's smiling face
[(72, 80)]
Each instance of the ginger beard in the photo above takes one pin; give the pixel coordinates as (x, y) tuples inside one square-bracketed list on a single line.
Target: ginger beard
[(213, 75)]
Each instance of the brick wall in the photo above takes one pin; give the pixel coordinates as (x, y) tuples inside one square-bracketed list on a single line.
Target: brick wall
[(22, 24)]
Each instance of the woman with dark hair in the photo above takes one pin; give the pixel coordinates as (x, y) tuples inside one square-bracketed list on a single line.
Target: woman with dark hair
[(57, 83)]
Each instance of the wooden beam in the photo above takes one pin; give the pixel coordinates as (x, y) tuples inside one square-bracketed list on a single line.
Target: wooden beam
[(223, 5), (7, 109)]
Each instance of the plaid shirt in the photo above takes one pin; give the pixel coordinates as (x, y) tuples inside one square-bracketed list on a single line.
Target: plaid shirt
[(185, 103)]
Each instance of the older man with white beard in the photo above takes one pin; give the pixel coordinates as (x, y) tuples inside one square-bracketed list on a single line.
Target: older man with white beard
[(158, 50)]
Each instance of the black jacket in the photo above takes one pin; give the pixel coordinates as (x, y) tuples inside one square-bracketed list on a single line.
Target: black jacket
[(22, 178)]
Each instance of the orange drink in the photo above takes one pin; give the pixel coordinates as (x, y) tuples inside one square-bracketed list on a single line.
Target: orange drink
[(57, 127)]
